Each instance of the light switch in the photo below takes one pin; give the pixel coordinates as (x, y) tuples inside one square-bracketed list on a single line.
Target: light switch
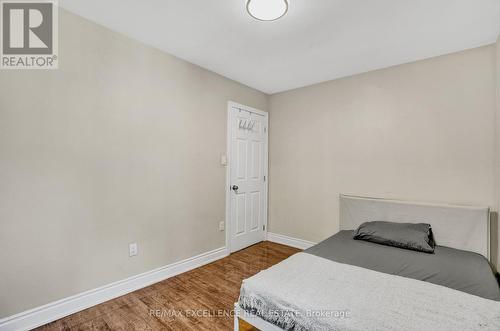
[(223, 160)]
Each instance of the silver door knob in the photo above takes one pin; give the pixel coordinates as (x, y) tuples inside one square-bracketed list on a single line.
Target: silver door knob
[(235, 187)]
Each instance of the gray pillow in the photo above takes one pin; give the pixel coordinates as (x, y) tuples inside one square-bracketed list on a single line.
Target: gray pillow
[(414, 236)]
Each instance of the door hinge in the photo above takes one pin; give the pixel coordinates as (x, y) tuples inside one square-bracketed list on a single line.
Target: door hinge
[(265, 129), (264, 178), (263, 227)]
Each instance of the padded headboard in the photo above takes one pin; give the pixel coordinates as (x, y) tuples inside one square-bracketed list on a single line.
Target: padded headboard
[(460, 227)]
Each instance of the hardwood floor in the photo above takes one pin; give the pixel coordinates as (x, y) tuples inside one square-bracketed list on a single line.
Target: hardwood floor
[(200, 299)]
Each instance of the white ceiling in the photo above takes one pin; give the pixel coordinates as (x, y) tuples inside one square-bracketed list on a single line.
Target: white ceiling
[(318, 40)]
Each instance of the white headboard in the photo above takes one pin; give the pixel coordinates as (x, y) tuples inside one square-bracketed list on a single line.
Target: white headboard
[(460, 227)]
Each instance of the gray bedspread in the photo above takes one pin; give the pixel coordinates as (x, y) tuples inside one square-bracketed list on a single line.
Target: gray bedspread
[(460, 270), (310, 293)]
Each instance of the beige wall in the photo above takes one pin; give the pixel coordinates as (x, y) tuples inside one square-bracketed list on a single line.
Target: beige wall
[(495, 221), (420, 131), (121, 144), (107, 150)]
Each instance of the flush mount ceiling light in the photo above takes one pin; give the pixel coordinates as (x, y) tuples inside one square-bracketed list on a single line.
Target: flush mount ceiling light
[(267, 10)]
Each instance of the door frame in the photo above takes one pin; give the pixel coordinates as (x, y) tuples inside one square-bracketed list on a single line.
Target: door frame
[(231, 105)]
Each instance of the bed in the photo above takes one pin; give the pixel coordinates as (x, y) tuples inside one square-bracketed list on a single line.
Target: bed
[(347, 284)]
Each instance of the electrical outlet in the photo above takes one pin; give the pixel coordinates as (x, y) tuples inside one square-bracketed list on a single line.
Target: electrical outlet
[(132, 249), (222, 226)]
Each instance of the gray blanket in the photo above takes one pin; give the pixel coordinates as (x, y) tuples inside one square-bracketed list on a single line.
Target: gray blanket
[(461, 270), (307, 292)]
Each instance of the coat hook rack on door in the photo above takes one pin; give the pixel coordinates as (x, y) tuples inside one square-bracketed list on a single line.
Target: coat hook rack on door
[(246, 125)]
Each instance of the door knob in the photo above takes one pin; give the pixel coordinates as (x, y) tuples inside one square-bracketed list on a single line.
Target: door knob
[(235, 187)]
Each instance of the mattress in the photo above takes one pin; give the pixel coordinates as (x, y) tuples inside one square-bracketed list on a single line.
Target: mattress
[(310, 293), (457, 269)]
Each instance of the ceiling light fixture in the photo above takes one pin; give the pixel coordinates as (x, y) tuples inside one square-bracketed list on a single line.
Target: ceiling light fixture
[(267, 10)]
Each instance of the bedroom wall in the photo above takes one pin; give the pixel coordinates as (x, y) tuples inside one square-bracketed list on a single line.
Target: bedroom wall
[(495, 223), (420, 131), (121, 144)]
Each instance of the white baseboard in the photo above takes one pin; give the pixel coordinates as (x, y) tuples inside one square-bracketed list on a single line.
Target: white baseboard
[(289, 241), (50, 312)]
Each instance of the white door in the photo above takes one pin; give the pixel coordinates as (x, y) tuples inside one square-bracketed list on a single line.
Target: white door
[(247, 176)]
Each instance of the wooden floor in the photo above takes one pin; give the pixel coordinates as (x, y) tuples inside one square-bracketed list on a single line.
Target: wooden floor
[(201, 299)]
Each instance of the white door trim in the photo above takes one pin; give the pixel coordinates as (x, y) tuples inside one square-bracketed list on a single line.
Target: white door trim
[(230, 105)]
